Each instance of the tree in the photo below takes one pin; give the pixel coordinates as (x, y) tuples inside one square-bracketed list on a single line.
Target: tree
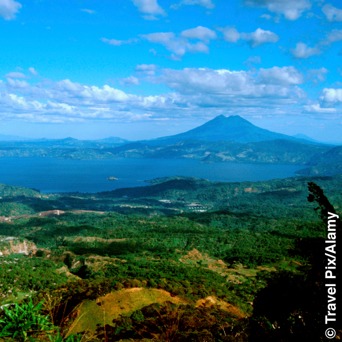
[(292, 306), (316, 194)]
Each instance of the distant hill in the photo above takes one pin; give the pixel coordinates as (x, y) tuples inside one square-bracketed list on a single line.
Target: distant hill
[(112, 140), (305, 138), (328, 163), (232, 129), (222, 139), (8, 190), (226, 139)]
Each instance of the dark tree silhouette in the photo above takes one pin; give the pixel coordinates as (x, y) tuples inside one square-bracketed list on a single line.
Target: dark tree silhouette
[(316, 194), (292, 306)]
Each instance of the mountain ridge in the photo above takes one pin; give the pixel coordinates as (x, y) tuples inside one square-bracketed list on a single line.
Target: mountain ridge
[(222, 139), (232, 128)]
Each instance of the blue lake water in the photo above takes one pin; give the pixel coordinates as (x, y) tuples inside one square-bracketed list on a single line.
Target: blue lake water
[(51, 175)]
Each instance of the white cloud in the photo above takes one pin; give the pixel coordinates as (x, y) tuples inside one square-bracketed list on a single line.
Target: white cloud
[(87, 10), (150, 8), (332, 95), (332, 13), (259, 37), (15, 83), (303, 51), (231, 34), (317, 75), (33, 71), (316, 108), (92, 94), (254, 39), (273, 82), (60, 107), (266, 16), (193, 91), (201, 33), (290, 9), (179, 45), (205, 3), (9, 9), (147, 69), (281, 76), (116, 42), (131, 80), (15, 74), (333, 36), (20, 103), (69, 86), (169, 41)]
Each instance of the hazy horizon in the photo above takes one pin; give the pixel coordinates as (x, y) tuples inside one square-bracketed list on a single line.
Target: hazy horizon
[(5, 137)]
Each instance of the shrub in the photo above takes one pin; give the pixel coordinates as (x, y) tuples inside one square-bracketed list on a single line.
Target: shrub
[(23, 321)]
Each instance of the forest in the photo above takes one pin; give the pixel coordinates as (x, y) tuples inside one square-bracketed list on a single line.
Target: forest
[(180, 259)]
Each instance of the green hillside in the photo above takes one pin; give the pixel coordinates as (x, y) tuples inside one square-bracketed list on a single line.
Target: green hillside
[(181, 259)]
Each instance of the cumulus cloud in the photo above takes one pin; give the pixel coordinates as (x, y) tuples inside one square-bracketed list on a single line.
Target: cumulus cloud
[(290, 9), (60, 107), (254, 39), (259, 37), (19, 102), (303, 51), (190, 90), (9, 9), (277, 83), (150, 8), (169, 40), (200, 33), (316, 108), (91, 94), (193, 40), (332, 95), (281, 76), (62, 101), (332, 13)]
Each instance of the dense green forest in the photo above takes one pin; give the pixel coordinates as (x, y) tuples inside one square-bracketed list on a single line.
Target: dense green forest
[(181, 259)]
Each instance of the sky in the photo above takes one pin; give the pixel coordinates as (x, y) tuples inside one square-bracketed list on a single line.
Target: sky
[(140, 69)]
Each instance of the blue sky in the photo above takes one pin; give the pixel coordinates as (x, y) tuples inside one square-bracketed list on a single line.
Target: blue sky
[(146, 68)]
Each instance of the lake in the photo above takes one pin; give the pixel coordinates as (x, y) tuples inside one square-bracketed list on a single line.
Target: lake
[(51, 175)]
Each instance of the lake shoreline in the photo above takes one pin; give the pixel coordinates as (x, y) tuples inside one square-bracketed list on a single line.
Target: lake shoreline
[(55, 175)]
